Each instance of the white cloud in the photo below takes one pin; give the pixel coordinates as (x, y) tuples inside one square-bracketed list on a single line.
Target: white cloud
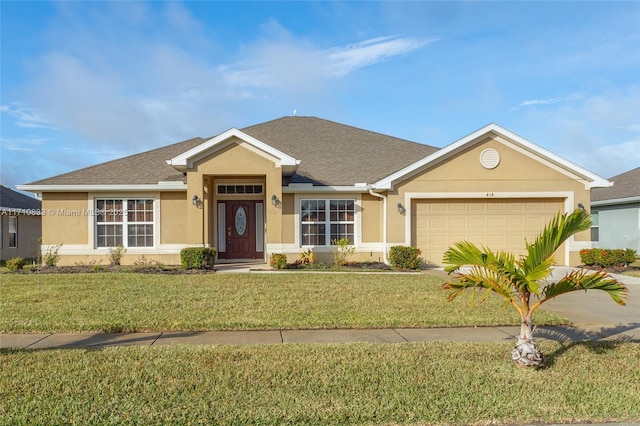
[(289, 62), (26, 117), (549, 101), (599, 132), (345, 60)]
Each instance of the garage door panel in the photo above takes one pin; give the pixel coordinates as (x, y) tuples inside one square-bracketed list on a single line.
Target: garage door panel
[(457, 223), (501, 224), (495, 222), (477, 222)]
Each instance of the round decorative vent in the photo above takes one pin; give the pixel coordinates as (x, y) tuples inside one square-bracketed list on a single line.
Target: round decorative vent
[(489, 158)]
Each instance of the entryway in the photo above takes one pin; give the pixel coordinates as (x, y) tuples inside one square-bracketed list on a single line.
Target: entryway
[(240, 229)]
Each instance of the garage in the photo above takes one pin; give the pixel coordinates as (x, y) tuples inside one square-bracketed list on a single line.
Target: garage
[(500, 224)]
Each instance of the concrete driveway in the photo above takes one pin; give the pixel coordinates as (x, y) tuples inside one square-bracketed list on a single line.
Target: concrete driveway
[(595, 310)]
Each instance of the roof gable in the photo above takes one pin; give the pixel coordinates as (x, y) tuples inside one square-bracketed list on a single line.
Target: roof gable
[(508, 138), (186, 159)]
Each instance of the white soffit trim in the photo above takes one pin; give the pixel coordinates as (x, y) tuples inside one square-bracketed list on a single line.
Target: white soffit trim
[(613, 201), (103, 188), (593, 180), (186, 159), (302, 188)]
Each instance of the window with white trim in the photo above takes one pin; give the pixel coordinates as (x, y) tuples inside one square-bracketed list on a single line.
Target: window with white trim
[(13, 231), (322, 222), (125, 222), (595, 226)]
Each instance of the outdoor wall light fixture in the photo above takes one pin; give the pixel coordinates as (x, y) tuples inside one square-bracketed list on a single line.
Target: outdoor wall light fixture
[(195, 200), (274, 200), (581, 206), (401, 208)]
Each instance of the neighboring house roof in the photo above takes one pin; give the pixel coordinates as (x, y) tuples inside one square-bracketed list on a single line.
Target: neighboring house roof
[(12, 201), (625, 189), (330, 153)]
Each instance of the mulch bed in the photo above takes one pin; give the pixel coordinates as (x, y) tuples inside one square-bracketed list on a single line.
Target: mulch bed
[(85, 269)]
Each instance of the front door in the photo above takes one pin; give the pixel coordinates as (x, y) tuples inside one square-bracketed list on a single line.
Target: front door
[(240, 230)]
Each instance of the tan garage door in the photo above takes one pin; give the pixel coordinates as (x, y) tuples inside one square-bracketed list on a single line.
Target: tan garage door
[(500, 224)]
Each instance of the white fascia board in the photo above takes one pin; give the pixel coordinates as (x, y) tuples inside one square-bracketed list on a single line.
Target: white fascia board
[(103, 188), (595, 181), (615, 201), (184, 160), (306, 188)]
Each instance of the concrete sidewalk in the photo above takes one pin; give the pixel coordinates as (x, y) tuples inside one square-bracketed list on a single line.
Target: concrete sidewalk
[(629, 333)]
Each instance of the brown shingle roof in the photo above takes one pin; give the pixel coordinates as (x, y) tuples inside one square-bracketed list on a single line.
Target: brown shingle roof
[(336, 154), (148, 167), (625, 185), (331, 154)]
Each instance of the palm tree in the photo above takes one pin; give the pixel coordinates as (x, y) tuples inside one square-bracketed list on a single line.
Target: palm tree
[(523, 282)]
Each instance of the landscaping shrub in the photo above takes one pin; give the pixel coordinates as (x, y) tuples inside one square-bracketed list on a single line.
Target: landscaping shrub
[(51, 257), (15, 264), (345, 249), (606, 258), (115, 255), (402, 257), (278, 261), (197, 257), (306, 257)]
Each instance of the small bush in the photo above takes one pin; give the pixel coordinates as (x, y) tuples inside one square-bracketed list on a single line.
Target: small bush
[(606, 258), (345, 249), (51, 257), (278, 261), (197, 257), (401, 257), (15, 264), (115, 255), (306, 257)]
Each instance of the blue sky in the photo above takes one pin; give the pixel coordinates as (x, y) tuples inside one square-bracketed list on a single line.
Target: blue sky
[(88, 82)]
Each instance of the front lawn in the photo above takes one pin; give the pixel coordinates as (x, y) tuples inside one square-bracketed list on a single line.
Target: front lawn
[(421, 383), (127, 302)]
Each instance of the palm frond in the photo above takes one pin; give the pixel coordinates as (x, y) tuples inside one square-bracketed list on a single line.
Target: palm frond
[(555, 233), (587, 280), (461, 254)]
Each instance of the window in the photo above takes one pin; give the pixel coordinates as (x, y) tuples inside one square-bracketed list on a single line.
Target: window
[(13, 232), (239, 189), (324, 221), (129, 223), (595, 226)]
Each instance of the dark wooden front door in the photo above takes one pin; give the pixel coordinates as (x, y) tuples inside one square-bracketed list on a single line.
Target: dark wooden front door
[(240, 228)]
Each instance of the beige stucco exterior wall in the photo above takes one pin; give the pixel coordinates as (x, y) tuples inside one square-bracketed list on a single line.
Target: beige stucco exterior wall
[(173, 206), (288, 219), (237, 159), (463, 173), (371, 218), (66, 218)]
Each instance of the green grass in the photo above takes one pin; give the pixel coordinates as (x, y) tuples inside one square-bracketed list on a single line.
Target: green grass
[(421, 383), (126, 302)]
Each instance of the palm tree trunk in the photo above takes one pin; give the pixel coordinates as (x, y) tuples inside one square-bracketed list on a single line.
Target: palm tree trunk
[(526, 352)]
